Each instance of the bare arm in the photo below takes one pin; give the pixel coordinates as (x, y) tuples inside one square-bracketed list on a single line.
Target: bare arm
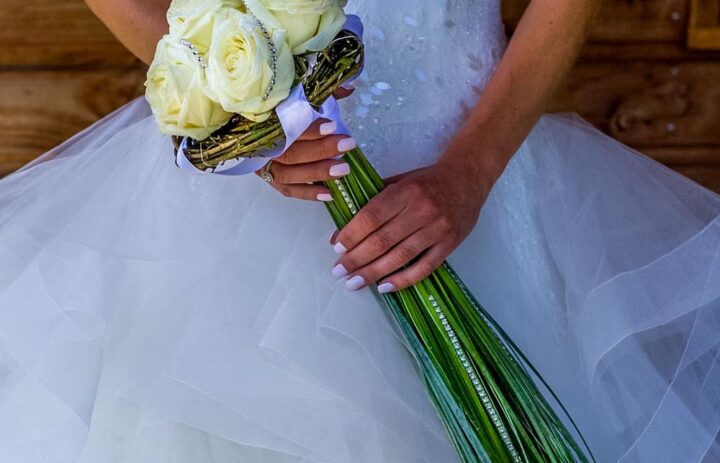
[(539, 55), (138, 24), (428, 212)]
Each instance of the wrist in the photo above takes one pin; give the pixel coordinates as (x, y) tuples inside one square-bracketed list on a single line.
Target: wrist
[(469, 157)]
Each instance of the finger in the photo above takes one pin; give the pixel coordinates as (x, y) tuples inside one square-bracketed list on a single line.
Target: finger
[(377, 244), (309, 172), (319, 129), (374, 215), (306, 192), (392, 261), (416, 272), (334, 236), (310, 151)]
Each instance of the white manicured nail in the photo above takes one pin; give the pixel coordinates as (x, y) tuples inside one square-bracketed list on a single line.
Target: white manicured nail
[(339, 248), (328, 128), (339, 271), (386, 288), (355, 283), (346, 144), (340, 170), (348, 86), (324, 197)]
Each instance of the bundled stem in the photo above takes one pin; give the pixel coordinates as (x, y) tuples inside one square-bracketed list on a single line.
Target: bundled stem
[(476, 376)]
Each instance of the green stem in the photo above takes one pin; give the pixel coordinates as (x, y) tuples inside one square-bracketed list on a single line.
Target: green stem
[(476, 375)]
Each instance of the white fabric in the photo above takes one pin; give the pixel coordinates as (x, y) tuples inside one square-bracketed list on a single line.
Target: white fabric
[(152, 316)]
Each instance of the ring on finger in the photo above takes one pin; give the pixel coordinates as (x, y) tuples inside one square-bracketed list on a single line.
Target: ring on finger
[(265, 172)]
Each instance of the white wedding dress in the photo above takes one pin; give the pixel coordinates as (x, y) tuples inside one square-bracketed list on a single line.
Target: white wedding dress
[(148, 315)]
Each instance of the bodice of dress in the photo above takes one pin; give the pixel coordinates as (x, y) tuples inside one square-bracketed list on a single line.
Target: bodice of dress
[(427, 62)]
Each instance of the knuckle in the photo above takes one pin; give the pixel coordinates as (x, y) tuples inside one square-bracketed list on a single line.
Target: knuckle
[(370, 217), (424, 269), (380, 241), (403, 281), (444, 222), (415, 188), (404, 254), (294, 155)]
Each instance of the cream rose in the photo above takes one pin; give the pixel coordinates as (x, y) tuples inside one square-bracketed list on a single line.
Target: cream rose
[(240, 67), (194, 20), (310, 24), (174, 89)]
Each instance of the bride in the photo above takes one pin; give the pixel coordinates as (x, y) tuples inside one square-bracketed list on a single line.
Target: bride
[(151, 315)]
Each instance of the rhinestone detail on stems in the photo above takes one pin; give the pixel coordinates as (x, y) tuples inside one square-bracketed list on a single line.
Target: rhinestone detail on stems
[(346, 197), (476, 382)]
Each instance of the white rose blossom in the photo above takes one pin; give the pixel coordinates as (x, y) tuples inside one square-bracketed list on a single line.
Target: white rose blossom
[(175, 91), (310, 24), (194, 20), (240, 67)]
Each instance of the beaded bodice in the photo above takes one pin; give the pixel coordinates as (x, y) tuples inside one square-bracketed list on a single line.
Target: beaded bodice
[(426, 65)]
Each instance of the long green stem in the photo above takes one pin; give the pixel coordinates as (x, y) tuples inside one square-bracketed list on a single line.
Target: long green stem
[(476, 376)]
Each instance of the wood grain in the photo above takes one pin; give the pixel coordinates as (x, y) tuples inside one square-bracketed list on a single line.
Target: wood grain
[(60, 70), (648, 104), (40, 109), (624, 21), (52, 33)]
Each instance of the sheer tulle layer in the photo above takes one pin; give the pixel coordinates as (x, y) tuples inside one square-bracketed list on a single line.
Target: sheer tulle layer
[(147, 315)]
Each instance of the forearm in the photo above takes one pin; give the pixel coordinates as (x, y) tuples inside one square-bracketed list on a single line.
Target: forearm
[(138, 24), (539, 55)]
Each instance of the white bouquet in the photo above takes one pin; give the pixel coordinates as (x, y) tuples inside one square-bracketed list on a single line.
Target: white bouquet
[(236, 82)]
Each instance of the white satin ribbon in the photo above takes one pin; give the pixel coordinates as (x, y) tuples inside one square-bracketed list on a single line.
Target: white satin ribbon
[(296, 114)]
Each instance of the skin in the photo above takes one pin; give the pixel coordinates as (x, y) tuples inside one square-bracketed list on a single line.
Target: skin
[(423, 215)]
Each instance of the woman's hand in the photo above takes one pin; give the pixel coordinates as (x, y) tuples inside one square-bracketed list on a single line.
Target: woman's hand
[(310, 159), (419, 219)]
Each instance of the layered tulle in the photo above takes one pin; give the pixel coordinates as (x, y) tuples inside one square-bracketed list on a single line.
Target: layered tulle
[(152, 316), (148, 315)]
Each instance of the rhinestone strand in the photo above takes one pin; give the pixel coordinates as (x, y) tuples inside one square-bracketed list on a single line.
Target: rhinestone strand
[(196, 54), (461, 285), (477, 384), (273, 52), (346, 197)]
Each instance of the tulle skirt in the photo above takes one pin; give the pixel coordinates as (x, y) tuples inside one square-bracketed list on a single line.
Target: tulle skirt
[(149, 315)]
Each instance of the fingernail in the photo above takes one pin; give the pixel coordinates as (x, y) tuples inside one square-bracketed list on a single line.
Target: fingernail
[(346, 144), (355, 283), (348, 86), (339, 271), (324, 197), (339, 248), (333, 236), (386, 288), (340, 170), (328, 128)]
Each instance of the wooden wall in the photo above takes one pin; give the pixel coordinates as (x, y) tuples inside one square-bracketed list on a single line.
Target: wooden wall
[(60, 70), (637, 81)]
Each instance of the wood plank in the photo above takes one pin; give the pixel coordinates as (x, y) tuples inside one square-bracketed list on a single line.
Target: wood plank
[(39, 110), (706, 175), (648, 104), (624, 21), (52, 33), (643, 51)]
